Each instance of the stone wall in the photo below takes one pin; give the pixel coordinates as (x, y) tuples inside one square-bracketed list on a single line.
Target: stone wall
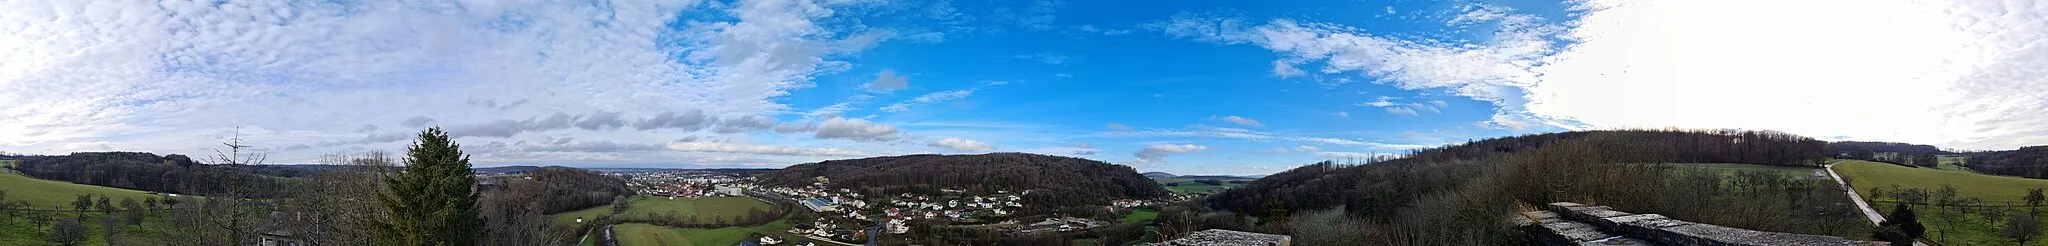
[(1566, 223)]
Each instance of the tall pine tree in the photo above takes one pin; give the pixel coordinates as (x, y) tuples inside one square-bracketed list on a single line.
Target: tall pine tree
[(432, 202)]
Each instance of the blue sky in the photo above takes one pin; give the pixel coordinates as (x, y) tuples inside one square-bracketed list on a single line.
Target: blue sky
[(1190, 87)]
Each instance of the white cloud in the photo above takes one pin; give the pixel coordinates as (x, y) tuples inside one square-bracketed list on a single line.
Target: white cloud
[(934, 97), (146, 74), (960, 144), (1308, 148), (1963, 74), (1970, 79), (1155, 152), (856, 129), (1284, 70), (1240, 121), (1401, 110), (1488, 70), (1341, 114), (737, 148), (888, 81)]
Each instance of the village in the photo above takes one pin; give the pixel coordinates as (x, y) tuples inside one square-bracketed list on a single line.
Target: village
[(849, 216), (825, 215)]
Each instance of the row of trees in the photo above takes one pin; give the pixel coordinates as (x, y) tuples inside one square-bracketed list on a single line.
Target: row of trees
[(1903, 224)]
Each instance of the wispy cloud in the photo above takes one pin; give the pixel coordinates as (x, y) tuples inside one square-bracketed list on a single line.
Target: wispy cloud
[(1491, 70), (888, 81), (1156, 152), (855, 129), (1233, 119), (960, 144), (737, 148)]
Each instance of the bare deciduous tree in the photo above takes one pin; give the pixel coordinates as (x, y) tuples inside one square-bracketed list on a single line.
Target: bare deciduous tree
[(337, 207)]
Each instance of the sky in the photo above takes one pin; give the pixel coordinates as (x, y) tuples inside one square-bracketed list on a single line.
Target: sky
[(1188, 87)]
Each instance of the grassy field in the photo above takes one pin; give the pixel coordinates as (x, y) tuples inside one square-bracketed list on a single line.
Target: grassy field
[(645, 234), (1963, 226), (18, 230), (45, 194), (569, 218), (705, 209), (652, 235), (1950, 162), (1141, 216), (1863, 175), (1188, 186)]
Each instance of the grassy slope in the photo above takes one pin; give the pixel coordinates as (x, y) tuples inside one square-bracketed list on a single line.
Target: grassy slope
[(1950, 162), (1863, 175), (1961, 227), (20, 231), (707, 208), (44, 194), (1141, 216), (644, 234), (569, 218)]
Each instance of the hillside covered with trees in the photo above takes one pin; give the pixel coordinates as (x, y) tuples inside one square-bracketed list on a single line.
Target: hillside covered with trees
[(1888, 152), (1057, 181), (2031, 162), (1456, 195), (570, 189), (150, 172)]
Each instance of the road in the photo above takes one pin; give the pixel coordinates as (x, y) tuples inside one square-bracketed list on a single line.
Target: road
[(1868, 212)]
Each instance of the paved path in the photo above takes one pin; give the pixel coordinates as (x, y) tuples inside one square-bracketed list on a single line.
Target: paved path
[(1868, 212)]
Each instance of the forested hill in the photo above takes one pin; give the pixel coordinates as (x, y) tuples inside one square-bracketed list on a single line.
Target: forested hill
[(1051, 178), (2031, 162), (150, 172), (1452, 194)]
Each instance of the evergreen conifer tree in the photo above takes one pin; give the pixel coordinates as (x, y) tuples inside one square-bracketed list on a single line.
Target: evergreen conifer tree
[(433, 202)]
